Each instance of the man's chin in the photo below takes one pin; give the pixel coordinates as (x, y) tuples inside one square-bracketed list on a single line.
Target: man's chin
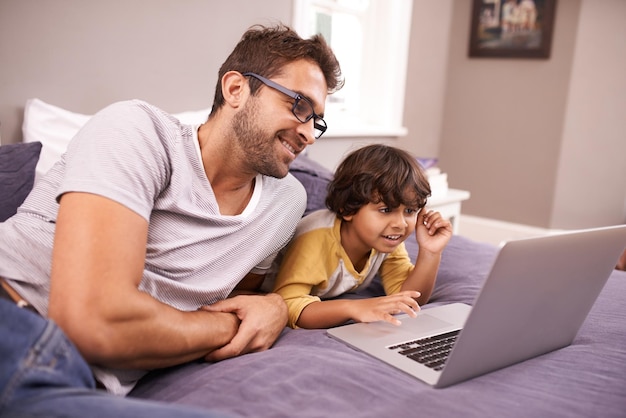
[(280, 175), (276, 172), (278, 168)]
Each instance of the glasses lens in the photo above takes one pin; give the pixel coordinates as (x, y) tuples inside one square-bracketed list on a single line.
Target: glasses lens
[(302, 109), (319, 126)]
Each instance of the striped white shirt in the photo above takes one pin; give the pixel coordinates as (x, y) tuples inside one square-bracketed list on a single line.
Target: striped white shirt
[(145, 159)]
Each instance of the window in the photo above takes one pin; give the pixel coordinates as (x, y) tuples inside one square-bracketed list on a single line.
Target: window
[(370, 39)]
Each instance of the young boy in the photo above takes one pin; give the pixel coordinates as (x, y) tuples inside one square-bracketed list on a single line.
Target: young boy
[(374, 203)]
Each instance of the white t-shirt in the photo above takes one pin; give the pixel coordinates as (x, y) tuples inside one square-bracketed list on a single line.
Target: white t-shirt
[(145, 159)]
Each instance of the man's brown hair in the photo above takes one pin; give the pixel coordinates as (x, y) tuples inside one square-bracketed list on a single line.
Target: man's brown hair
[(266, 50)]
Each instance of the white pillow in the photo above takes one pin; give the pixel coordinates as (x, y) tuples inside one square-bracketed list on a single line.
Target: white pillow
[(54, 127), (193, 117)]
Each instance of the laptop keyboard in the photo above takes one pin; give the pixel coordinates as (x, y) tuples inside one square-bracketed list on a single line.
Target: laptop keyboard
[(432, 351)]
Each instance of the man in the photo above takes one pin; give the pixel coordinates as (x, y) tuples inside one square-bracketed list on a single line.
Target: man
[(42, 375), (133, 242)]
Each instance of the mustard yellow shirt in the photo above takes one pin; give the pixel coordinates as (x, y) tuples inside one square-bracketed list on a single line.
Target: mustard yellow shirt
[(315, 266)]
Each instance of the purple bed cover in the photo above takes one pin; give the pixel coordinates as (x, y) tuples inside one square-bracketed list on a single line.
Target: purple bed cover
[(307, 374)]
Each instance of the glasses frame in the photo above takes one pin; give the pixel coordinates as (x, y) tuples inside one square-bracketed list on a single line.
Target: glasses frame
[(319, 124)]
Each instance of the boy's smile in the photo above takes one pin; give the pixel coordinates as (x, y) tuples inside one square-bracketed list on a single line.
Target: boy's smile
[(376, 226)]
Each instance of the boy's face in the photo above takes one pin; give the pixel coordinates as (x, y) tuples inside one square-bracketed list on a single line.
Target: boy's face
[(378, 226)]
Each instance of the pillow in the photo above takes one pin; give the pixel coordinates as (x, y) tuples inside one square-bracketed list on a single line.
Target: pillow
[(193, 117), (315, 178), (17, 175), (464, 266), (54, 127)]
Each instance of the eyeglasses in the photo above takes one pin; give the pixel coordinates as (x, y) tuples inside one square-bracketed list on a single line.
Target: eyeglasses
[(302, 108)]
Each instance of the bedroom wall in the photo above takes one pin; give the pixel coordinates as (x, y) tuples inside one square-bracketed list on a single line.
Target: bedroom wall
[(537, 142), (590, 186), (85, 54), (541, 142)]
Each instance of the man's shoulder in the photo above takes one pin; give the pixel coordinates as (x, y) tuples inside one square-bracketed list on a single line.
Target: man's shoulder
[(134, 107), (139, 119), (286, 195), (133, 103)]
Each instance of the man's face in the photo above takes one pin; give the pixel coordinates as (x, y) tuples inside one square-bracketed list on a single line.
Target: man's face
[(266, 128)]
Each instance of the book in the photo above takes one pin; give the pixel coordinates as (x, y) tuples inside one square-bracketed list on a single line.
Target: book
[(437, 179)]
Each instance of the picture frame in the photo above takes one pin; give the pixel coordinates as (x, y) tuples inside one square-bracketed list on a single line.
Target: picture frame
[(512, 28)]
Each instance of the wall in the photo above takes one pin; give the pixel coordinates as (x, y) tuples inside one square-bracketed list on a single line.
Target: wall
[(537, 142), (85, 54), (590, 187), (426, 76), (501, 135), (541, 142)]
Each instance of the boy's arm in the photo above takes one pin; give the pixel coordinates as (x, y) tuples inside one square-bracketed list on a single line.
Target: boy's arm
[(422, 277), (326, 314), (330, 313), (432, 233), (304, 265)]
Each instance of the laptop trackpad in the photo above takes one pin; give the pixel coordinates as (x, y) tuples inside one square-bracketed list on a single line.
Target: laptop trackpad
[(412, 328), (424, 324)]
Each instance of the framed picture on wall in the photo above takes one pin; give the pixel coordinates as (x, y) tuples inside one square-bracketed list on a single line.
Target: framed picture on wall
[(512, 28)]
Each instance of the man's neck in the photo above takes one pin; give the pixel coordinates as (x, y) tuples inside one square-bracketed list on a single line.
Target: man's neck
[(231, 181)]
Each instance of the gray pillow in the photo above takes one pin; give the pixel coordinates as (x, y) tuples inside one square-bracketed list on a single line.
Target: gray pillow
[(315, 178), (17, 175)]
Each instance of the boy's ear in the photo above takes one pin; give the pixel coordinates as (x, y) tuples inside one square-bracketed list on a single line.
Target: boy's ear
[(347, 218)]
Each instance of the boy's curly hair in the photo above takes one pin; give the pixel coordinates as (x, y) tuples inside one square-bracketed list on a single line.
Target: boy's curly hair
[(377, 173)]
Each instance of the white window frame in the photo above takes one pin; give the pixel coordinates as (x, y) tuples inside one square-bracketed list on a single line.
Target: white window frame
[(381, 81)]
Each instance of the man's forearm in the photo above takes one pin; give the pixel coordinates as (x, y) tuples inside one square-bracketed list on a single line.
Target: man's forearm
[(148, 335)]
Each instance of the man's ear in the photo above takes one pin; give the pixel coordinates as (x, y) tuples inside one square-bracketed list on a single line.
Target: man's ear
[(235, 88)]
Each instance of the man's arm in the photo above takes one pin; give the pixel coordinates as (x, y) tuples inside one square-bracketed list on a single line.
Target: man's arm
[(97, 265), (263, 318)]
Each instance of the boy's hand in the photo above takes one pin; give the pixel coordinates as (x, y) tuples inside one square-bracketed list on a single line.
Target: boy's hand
[(384, 307), (432, 231)]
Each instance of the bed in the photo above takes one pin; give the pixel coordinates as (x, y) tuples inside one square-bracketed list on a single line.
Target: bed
[(308, 374)]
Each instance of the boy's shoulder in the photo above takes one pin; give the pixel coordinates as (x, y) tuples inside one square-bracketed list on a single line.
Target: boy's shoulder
[(320, 219)]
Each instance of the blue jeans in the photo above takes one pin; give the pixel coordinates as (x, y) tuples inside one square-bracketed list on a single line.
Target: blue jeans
[(42, 374)]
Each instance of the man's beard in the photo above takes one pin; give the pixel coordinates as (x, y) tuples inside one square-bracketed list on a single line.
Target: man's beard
[(255, 143)]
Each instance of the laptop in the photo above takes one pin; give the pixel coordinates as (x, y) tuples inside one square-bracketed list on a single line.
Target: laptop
[(534, 300)]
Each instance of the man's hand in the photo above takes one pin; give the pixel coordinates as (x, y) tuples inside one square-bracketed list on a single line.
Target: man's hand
[(262, 317)]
